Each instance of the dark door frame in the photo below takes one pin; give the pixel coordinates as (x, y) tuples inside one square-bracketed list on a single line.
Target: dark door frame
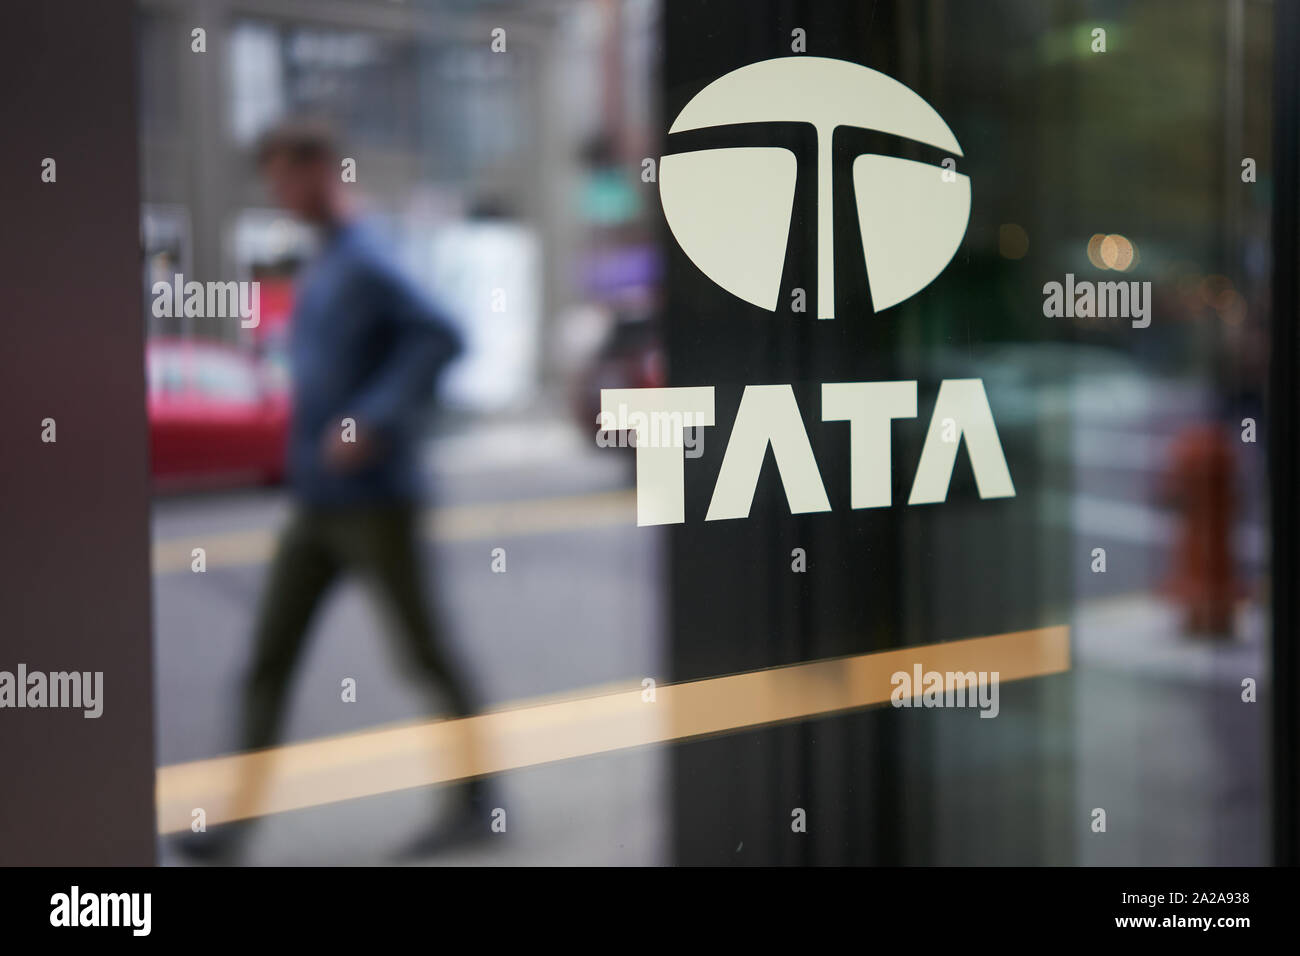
[(1283, 432)]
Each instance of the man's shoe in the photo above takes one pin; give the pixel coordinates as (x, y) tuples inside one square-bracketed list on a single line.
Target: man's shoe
[(220, 846), (469, 821)]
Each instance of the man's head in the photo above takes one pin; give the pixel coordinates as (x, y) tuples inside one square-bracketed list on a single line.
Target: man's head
[(300, 162)]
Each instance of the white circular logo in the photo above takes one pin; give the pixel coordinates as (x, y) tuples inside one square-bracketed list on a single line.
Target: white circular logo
[(730, 208)]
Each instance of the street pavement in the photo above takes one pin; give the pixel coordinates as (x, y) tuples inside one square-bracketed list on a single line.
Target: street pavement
[(575, 609), (1157, 731)]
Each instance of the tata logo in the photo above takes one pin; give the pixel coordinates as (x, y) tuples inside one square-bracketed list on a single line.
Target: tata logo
[(730, 209), (769, 418)]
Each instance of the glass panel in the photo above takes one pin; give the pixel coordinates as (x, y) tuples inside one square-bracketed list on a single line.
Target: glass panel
[(812, 354)]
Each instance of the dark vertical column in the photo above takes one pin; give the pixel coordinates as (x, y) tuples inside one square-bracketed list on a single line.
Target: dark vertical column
[(876, 579), (1283, 434), (74, 552)]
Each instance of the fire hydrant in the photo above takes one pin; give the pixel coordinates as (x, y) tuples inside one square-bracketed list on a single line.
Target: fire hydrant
[(1199, 486)]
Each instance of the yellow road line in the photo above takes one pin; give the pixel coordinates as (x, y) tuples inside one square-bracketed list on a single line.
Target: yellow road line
[(543, 731), (461, 523)]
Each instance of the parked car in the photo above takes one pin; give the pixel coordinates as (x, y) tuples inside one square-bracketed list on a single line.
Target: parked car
[(217, 415)]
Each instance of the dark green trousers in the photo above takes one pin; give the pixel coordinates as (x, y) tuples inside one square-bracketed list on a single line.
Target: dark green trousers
[(377, 542)]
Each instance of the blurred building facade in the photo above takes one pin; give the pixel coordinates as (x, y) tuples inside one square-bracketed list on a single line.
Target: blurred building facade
[(471, 125)]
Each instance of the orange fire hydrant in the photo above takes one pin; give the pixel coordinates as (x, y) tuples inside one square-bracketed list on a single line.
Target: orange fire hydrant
[(1199, 485)]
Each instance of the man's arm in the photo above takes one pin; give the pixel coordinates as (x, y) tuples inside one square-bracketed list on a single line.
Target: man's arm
[(423, 344)]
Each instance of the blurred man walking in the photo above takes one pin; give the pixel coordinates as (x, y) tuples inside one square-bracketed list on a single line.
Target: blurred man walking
[(366, 349)]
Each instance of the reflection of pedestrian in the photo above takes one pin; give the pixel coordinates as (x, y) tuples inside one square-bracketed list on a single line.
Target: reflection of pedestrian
[(365, 350)]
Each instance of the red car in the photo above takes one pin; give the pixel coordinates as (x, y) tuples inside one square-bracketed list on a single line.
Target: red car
[(216, 414), (630, 357)]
